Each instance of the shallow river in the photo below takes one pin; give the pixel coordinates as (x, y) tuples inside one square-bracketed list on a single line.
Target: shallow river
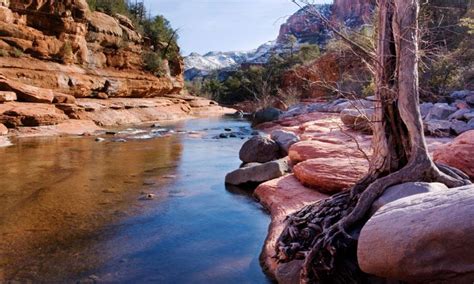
[(141, 211)]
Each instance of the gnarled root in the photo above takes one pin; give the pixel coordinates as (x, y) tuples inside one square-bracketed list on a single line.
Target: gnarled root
[(325, 234)]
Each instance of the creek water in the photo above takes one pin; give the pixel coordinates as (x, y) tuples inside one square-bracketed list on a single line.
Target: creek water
[(153, 209)]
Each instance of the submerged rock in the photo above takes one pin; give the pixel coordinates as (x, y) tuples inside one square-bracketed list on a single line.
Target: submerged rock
[(422, 238)]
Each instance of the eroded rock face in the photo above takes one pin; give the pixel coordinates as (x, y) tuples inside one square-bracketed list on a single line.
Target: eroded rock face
[(458, 154), (30, 114), (422, 238), (99, 53)]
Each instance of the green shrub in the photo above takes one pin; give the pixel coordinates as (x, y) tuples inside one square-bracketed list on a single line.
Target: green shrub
[(3, 53), (16, 53), (153, 63)]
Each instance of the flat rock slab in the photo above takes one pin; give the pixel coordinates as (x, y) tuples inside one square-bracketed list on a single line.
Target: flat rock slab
[(15, 114), (282, 196), (26, 92), (422, 238), (258, 173)]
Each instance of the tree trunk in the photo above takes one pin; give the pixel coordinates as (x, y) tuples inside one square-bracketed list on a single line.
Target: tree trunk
[(324, 233)]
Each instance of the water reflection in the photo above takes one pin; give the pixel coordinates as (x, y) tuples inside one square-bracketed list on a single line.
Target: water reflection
[(71, 210), (58, 193)]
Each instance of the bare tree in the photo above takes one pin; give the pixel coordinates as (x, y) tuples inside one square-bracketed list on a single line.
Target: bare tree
[(325, 233)]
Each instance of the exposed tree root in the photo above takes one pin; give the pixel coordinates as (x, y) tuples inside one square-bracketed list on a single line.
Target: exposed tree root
[(325, 233)]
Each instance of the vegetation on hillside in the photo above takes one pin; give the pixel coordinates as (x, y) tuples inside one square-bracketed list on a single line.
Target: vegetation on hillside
[(161, 38), (446, 54), (259, 83)]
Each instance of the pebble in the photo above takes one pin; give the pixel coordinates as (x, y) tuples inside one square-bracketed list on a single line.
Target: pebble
[(99, 139)]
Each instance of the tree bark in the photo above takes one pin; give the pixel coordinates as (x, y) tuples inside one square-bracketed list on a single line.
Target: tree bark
[(324, 234)]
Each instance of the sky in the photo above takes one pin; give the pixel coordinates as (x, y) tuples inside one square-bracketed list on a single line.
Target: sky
[(224, 25)]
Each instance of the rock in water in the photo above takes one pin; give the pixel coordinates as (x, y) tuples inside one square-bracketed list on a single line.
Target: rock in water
[(458, 154), (260, 150), (284, 139), (422, 238), (258, 173)]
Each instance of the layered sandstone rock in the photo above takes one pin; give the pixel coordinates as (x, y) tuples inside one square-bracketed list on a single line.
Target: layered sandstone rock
[(30, 114), (98, 53)]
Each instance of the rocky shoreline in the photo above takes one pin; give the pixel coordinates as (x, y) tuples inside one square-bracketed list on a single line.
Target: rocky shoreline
[(326, 153), (66, 115)]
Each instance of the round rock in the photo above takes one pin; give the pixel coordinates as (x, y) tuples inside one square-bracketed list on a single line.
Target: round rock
[(260, 150)]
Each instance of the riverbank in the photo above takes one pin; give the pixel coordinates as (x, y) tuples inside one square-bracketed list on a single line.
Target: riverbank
[(326, 156), (151, 209), (89, 116)]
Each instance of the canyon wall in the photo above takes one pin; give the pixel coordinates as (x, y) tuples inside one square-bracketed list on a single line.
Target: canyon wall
[(63, 46)]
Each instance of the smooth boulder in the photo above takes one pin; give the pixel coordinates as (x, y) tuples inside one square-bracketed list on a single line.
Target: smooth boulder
[(440, 111), (259, 149), (331, 175), (258, 173), (266, 115), (284, 139), (422, 238)]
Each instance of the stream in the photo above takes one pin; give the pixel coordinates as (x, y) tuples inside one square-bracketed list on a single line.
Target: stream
[(146, 205)]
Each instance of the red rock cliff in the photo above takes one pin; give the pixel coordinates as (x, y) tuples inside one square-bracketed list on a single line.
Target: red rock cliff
[(63, 46)]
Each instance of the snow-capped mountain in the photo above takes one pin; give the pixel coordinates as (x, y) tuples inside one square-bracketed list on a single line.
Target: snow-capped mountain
[(304, 25), (202, 65)]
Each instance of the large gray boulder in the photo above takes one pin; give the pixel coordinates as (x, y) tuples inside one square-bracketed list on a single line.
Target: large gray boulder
[(358, 119), (460, 95), (258, 173), (422, 238), (353, 104), (266, 115), (440, 111), (470, 99), (459, 127), (404, 190), (425, 109), (459, 114), (260, 150), (438, 128), (284, 139)]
